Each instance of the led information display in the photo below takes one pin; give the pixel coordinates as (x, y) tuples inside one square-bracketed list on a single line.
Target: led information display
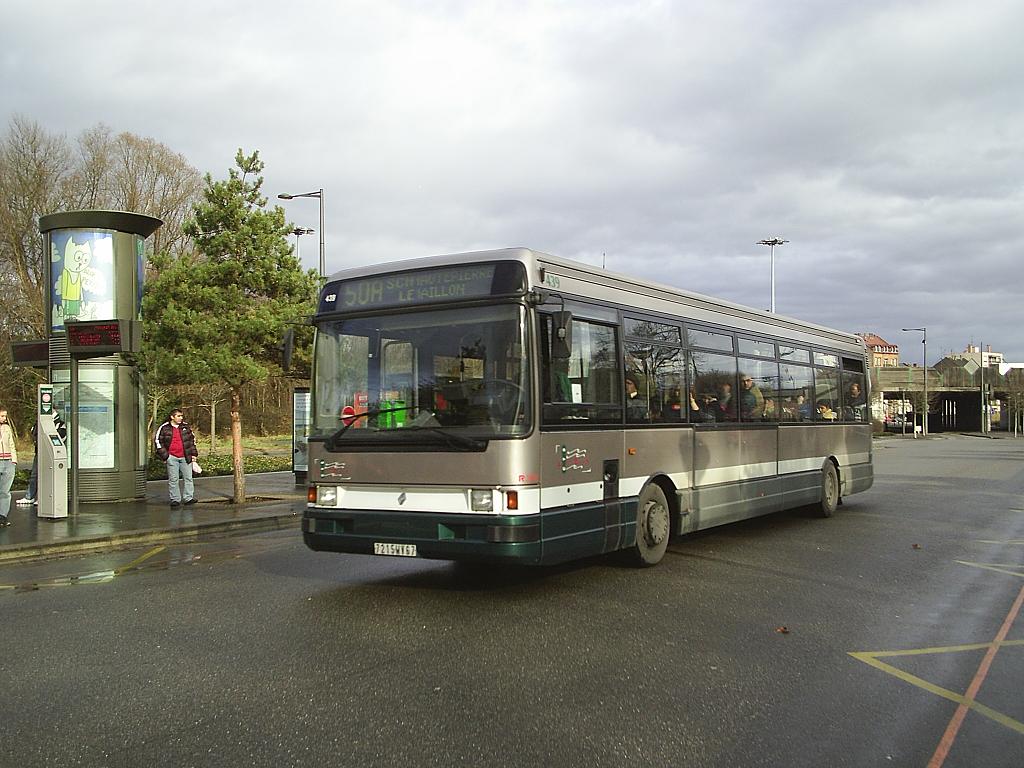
[(30, 353), (98, 338), (425, 286)]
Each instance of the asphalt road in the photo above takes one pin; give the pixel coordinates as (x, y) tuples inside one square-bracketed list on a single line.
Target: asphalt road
[(736, 651)]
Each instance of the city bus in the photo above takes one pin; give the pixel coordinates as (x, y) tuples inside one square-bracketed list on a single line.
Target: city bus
[(512, 406)]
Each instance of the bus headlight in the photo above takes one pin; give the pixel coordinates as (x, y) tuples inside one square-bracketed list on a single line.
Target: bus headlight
[(481, 501), (326, 496)]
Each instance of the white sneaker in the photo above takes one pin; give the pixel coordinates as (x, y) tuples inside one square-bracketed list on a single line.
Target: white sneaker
[(23, 502)]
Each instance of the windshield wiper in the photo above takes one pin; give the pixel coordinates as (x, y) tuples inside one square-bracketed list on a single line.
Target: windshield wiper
[(330, 442), (454, 440)]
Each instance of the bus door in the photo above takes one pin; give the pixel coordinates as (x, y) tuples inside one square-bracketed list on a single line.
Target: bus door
[(581, 425), (612, 506)]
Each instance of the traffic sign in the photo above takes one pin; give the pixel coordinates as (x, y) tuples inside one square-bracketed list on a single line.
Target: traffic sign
[(348, 415)]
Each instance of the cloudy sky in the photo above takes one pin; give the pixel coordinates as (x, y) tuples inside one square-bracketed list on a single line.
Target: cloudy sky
[(884, 140)]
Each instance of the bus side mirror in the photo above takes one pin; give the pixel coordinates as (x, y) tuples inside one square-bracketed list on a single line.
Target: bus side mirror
[(561, 337), (287, 348)]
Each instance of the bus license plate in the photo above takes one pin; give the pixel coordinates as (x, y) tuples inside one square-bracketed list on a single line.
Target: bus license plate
[(400, 550)]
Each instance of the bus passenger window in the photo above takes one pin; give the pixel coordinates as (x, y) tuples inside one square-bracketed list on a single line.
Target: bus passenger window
[(714, 386)]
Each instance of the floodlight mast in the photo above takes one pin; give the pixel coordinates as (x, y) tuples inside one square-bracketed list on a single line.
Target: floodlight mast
[(772, 243), (319, 194)]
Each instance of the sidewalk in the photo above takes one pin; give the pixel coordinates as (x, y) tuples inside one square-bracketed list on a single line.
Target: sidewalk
[(273, 501)]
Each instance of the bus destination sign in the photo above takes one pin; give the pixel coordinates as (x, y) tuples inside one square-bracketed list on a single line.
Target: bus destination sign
[(425, 286), (97, 338)]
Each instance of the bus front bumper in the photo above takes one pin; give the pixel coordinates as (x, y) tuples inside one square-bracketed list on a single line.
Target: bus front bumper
[(509, 538)]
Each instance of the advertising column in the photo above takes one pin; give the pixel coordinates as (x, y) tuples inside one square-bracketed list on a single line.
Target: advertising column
[(96, 269)]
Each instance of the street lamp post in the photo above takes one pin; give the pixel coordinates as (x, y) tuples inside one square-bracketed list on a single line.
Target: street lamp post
[(924, 361), (772, 243), (298, 232), (319, 195)]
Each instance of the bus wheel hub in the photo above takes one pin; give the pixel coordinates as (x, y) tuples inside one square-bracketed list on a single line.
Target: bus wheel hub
[(657, 523)]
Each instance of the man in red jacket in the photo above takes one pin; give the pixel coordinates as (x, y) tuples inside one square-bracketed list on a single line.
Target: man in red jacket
[(176, 446)]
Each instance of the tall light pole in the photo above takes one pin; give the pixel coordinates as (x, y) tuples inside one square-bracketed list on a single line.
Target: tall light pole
[(298, 232), (319, 194), (924, 361), (772, 243)]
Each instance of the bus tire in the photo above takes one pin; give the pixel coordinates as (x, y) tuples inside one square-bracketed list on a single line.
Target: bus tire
[(829, 490), (653, 526)]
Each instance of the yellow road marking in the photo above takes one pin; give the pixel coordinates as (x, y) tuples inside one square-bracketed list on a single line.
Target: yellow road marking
[(100, 577), (873, 659), (997, 567), (139, 560), (1008, 541)]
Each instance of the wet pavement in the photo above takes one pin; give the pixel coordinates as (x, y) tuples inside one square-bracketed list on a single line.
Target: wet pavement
[(272, 501)]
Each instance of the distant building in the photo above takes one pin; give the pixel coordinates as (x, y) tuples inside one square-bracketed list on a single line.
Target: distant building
[(975, 355), (883, 354)]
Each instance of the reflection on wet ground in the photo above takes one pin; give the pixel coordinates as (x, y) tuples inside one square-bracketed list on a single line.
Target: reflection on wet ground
[(100, 569)]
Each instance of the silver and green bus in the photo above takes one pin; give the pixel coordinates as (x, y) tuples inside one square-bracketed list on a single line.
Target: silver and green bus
[(512, 406)]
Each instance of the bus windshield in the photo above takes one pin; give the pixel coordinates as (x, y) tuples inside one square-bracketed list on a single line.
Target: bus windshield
[(423, 377)]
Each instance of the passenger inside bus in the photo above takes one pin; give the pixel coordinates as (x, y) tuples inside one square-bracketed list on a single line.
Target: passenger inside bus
[(726, 403), (636, 405), (856, 405), (751, 400)]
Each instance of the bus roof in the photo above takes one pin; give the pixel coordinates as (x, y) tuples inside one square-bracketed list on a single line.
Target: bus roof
[(589, 282)]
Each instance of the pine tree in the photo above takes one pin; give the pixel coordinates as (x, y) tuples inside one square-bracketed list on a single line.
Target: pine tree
[(219, 315)]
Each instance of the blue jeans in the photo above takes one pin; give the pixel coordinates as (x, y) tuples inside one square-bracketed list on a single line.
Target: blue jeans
[(33, 478), (7, 468), (176, 466)]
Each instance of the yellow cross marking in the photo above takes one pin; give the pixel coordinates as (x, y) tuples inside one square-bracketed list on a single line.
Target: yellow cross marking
[(1008, 541), (872, 658), (1014, 569)]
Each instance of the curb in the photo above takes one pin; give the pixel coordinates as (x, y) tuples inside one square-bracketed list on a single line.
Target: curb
[(19, 552)]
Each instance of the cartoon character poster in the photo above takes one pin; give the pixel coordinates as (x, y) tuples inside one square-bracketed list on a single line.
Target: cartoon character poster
[(82, 267)]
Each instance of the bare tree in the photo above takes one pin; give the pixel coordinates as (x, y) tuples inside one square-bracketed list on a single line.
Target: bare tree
[(42, 173)]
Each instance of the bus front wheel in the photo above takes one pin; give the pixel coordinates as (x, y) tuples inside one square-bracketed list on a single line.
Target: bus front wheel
[(829, 490), (653, 526)]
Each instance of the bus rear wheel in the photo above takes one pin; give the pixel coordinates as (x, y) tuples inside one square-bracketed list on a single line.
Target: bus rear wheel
[(829, 490), (653, 526)]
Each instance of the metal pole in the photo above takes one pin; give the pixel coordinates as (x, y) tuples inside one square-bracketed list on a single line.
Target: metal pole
[(73, 432), (924, 341), (903, 408), (321, 232), (984, 410), (771, 244), (924, 429)]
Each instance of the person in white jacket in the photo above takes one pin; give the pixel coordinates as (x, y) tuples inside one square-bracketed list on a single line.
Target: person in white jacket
[(8, 465)]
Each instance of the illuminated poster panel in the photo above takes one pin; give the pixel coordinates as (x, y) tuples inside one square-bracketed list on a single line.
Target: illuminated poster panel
[(95, 413), (82, 270)]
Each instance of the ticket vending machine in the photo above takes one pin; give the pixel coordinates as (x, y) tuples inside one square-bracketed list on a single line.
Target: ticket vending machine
[(52, 458)]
